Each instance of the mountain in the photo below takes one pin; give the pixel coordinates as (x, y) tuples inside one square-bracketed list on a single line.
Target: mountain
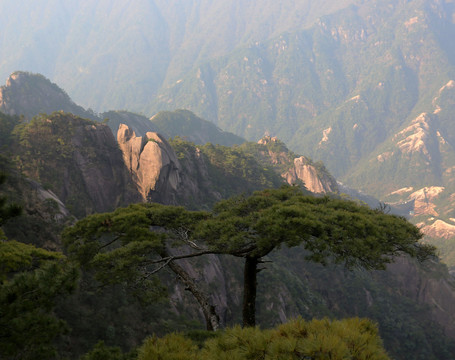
[(342, 86), (368, 90), (78, 159), (138, 123), (30, 94), (112, 55), (104, 175), (193, 128), (335, 81)]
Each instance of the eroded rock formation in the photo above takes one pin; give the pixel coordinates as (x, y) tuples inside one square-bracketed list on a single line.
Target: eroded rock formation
[(152, 163)]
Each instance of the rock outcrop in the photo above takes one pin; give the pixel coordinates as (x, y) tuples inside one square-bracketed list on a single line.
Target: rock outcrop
[(297, 169), (310, 176), (152, 164), (162, 177)]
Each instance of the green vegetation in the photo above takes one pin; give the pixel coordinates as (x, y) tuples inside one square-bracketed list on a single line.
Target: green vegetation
[(329, 229), (31, 281), (233, 169), (297, 339), (113, 303), (28, 297), (132, 244), (221, 172), (70, 156)]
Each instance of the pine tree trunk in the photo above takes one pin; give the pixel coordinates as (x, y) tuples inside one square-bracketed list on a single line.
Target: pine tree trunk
[(212, 320), (249, 291)]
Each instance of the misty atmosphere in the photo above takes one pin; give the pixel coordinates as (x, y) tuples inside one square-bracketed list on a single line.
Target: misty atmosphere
[(210, 179)]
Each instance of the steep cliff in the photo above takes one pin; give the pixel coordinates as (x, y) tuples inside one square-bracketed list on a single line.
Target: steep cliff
[(182, 173), (79, 160), (295, 169), (152, 164)]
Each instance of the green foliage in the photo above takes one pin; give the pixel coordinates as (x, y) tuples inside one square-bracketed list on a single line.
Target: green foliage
[(171, 347), (28, 326), (7, 124), (235, 171), (122, 247), (272, 154), (328, 228), (231, 171), (102, 352), (7, 210), (297, 339), (51, 147), (18, 257)]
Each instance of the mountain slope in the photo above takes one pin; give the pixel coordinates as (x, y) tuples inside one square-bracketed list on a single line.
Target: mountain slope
[(129, 50), (341, 87)]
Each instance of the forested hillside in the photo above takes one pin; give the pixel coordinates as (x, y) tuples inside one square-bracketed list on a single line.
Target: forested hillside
[(288, 287)]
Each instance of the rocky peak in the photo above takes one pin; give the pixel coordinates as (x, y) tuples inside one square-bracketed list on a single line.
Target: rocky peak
[(30, 94), (298, 169), (312, 178), (267, 140), (151, 161)]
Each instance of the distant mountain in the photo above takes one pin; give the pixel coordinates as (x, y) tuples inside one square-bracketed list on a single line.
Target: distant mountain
[(112, 55), (193, 128), (26, 94), (368, 90), (334, 91), (140, 124)]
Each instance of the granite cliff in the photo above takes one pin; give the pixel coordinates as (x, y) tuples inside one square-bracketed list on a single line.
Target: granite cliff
[(77, 159), (152, 163), (296, 169)]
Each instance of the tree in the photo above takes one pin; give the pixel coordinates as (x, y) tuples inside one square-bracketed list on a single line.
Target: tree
[(329, 229), (31, 281), (130, 245), (7, 211)]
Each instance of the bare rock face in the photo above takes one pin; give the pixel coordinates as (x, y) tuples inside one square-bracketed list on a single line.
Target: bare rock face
[(152, 163), (298, 169), (79, 160), (428, 288), (310, 176), (107, 181)]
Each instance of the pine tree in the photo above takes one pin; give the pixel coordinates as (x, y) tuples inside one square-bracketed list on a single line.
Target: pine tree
[(329, 229), (132, 244)]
